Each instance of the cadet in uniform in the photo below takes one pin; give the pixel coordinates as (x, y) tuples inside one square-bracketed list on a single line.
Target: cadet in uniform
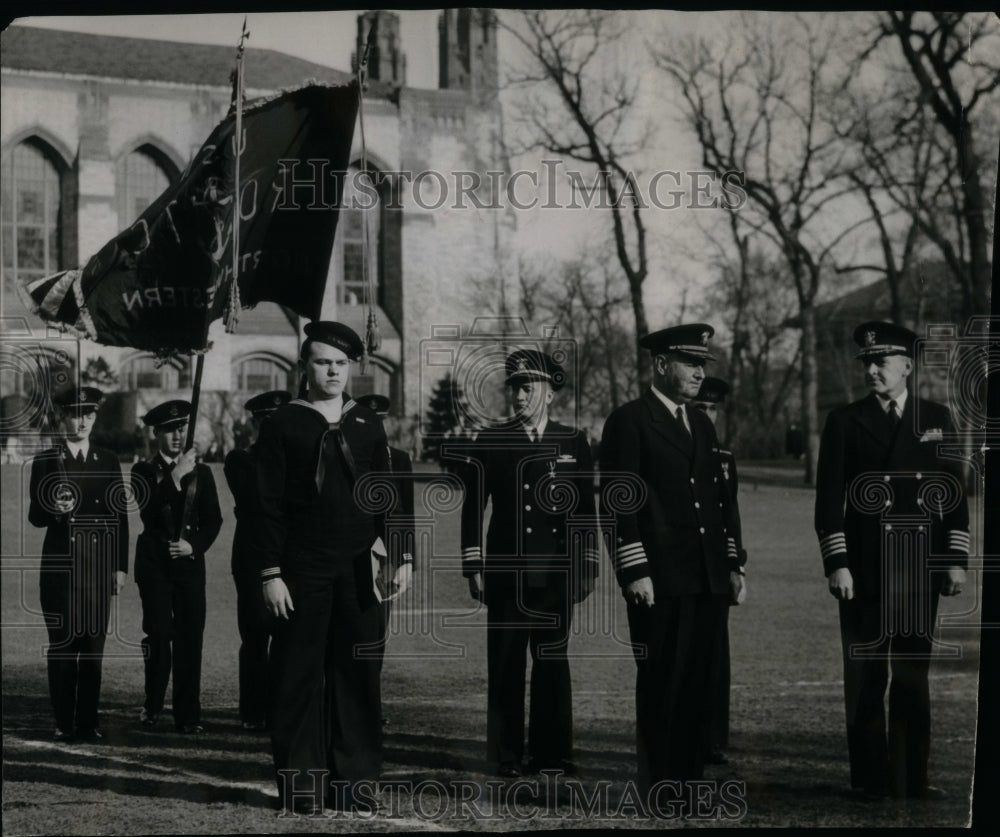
[(252, 618), (73, 492), (710, 397), (675, 557), (531, 571), (890, 437), (181, 520), (314, 545)]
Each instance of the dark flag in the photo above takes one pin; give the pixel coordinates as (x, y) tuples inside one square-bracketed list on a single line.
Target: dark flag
[(160, 283)]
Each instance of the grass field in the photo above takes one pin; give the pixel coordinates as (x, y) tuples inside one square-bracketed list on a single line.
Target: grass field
[(787, 743)]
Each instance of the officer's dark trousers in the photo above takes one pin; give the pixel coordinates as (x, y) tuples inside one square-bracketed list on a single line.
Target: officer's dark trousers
[(718, 736), (534, 614), (899, 763), (674, 642), (254, 624), (173, 619), (323, 681), (76, 616)]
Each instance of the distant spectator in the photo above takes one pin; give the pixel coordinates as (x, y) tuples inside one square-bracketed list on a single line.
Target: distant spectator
[(795, 445)]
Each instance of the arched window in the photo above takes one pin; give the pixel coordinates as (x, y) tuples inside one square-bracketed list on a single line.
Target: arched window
[(260, 373), (30, 210), (141, 372), (141, 177), (349, 261)]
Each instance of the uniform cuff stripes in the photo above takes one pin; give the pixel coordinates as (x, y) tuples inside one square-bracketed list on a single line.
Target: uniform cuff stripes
[(958, 541), (832, 544), (407, 558), (591, 555), (269, 573), (472, 560), (731, 551)]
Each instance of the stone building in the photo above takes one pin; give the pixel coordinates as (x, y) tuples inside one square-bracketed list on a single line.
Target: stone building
[(93, 128)]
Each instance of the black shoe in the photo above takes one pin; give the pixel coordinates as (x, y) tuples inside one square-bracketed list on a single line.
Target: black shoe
[(565, 766), (254, 726), (718, 757), (63, 736), (509, 770), (875, 793), (190, 729), (147, 718), (929, 794), (92, 735)]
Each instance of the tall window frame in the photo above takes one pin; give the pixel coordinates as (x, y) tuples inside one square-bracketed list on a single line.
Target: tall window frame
[(348, 260), (142, 174), (31, 212)]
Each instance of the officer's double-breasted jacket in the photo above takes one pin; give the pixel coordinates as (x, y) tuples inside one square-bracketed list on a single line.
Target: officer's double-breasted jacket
[(871, 477), (674, 520), (543, 516), (97, 526), (170, 513), (727, 459)]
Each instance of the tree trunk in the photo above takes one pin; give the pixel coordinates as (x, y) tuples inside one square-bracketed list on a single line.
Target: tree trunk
[(642, 360), (810, 389)]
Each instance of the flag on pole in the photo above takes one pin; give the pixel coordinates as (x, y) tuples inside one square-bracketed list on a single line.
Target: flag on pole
[(159, 284)]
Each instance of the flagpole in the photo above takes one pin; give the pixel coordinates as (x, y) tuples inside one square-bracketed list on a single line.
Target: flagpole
[(232, 313)]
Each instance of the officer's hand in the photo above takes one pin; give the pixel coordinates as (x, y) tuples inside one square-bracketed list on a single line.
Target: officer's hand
[(640, 592), (277, 598), (954, 581), (119, 581), (185, 464), (737, 588), (180, 548), (841, 584), (582, 587), (64, 505), (476, 589), (401, 580)]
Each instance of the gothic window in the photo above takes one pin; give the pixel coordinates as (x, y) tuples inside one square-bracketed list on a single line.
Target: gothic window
[(141, 372), (260, 373), (350, 261), (141, 177), (31, 225)]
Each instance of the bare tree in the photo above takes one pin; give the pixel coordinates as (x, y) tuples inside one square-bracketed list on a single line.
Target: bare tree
[(580, 109), (754, 302), (582, 299), (952, 59), (913, 130), (757, 105)]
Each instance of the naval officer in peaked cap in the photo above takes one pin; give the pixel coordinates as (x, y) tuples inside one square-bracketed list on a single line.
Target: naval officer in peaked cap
[(73, 492), (529, 569), (675, 557), (252, 618), (181, 520), (886, 445)]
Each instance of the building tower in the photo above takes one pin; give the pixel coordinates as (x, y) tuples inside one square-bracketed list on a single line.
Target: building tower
[(386, 61), (467, 50)]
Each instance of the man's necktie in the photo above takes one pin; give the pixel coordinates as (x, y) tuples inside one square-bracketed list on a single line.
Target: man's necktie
[(893, 414), (681, 422), (80, 461)]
